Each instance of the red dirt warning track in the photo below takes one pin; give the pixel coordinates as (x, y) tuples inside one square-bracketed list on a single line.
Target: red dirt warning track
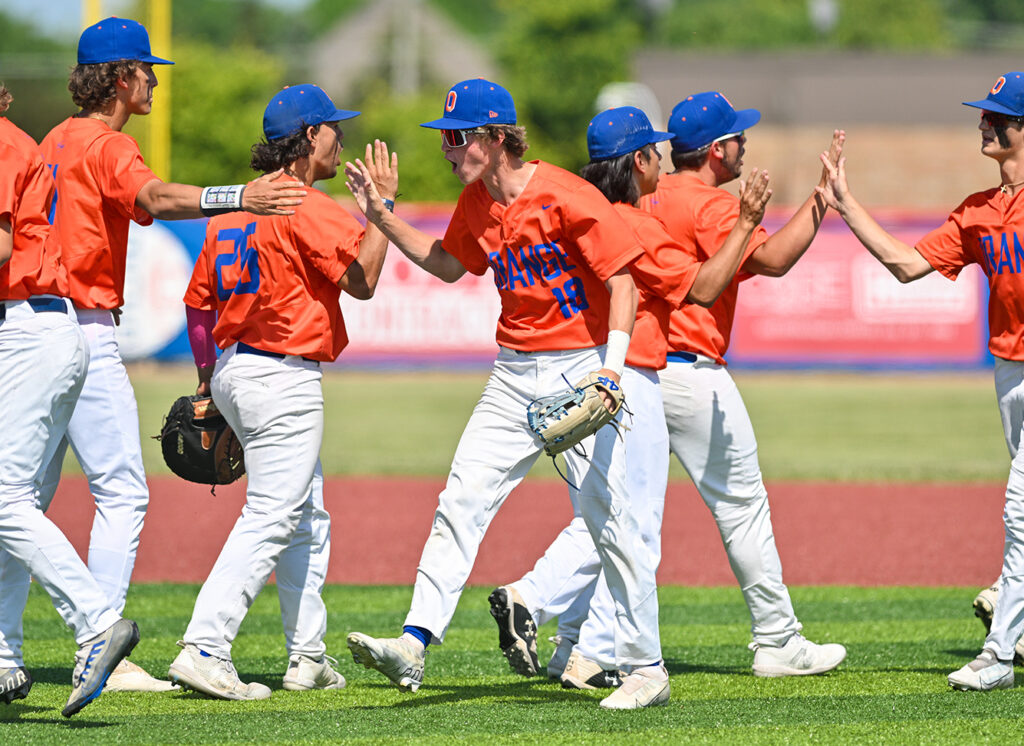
[(827, 534)]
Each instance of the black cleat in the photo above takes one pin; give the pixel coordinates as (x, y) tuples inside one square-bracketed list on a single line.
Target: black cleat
[(517, 632), (15, 683)]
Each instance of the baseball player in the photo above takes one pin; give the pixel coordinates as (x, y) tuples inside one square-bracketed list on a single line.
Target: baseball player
[(567, 581), (709, 429), (101, 185), (272, 286), (43, 358), (986, 229), (559, 254)]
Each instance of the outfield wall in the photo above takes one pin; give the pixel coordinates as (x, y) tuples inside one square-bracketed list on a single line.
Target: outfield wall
[(838, 308)]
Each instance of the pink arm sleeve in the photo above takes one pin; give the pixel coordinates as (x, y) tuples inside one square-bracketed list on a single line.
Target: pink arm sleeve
[(200, 335)]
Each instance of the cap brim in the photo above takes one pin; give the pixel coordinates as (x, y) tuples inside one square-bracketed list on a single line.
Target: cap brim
[(156, 60), (659, 137), (989, 105), (446, 123), (745, 119), (341, 115)]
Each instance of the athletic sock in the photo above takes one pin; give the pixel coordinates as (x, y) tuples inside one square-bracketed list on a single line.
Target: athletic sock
[(421, 634)]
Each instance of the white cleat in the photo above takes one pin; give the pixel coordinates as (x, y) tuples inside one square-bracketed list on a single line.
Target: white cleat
[(396, 658), (985, 604), (645, 687), (798, 657), (560, 658), (212, 676), (304, 674), (128, 677), (984, 673), (583, 673)]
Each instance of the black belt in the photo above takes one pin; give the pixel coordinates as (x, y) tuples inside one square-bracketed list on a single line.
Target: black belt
[(686, 357), (250, 350), (40, 305)]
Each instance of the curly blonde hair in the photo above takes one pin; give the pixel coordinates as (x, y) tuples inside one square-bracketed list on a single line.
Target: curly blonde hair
[(5, 98)]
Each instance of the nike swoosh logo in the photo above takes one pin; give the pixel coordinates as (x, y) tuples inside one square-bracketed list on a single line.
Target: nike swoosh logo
[(544, 207)]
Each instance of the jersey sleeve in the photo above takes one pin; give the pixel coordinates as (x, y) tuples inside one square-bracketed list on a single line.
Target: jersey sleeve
[(120, 171), (665, 268), (327, 236), (943, 248), (12, 168), (602, 236), (714, 223), (202, 288), (459, 240)]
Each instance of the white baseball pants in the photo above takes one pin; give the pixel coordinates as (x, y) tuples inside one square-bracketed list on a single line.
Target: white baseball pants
[(276, 408), (43, 359), (711, 435), (567, 581), (104, 435), (1008, 617), (495, 452)]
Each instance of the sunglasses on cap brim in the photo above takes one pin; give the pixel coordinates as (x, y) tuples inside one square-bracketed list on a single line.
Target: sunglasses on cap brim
[(457, 138), (730, 136)]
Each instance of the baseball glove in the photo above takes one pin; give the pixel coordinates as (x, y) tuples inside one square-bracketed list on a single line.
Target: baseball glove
[(563, 420), (197, 443)]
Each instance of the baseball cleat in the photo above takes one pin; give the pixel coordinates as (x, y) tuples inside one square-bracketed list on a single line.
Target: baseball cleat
[(215, 677), (985, 605), (96, 659), (395, 657), (517, 632), (128, 677), (645, 687), (304, 674), (798, 657), (583, 673), (15, 683), (984, 673), (559, 659)]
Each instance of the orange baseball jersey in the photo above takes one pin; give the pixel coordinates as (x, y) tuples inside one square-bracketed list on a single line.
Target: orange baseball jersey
[(700, 217), (26, 190), (273, 280), (551, 252), (97, 172), (664, 274), (987, 229)]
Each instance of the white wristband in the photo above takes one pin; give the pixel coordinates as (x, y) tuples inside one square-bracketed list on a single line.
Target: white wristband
[(615, 352), (221, 199)]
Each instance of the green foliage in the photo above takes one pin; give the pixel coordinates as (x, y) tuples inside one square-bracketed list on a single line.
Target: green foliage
[(890, 689), (218, 100), (477, 17), (782, 24), (556, 57), (323, 14)]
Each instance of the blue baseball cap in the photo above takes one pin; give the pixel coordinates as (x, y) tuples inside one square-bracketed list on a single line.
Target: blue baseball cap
[(116, 39), (1005, 97), (619, 131), (298, 106), (474, 103), (702, 118)]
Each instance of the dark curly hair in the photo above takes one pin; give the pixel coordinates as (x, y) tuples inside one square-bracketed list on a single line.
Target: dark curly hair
[(5, 98), (94, 86), (270, 155), (515, 137), (614, 176)]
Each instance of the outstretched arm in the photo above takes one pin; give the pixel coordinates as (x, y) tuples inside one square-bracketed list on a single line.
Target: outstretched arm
[(266, 195), (783, 248), (905, 262), (421, 248), (717, 272), (360, 279)]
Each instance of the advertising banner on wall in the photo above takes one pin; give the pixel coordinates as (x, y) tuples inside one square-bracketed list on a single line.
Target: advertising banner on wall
[(838, 307)]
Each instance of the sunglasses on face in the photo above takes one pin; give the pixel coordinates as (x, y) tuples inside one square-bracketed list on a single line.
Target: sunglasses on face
[(730, 136), (457, 138), (995, 119)]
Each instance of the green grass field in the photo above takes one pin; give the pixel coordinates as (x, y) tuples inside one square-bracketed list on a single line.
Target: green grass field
[(902, 642), (810, 426)]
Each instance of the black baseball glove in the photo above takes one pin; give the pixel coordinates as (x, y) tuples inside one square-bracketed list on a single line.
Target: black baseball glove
[(197, 443)]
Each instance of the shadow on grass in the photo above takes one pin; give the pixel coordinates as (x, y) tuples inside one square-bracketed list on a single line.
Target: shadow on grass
[(529, 691)]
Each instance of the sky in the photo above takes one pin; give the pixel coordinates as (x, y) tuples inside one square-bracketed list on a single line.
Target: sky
[(62, 19)]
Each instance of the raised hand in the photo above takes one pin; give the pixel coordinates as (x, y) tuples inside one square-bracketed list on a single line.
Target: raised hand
[(754, 196), (269, 195), (360, 183), (835, 190), (383, 170), (835, 150)]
